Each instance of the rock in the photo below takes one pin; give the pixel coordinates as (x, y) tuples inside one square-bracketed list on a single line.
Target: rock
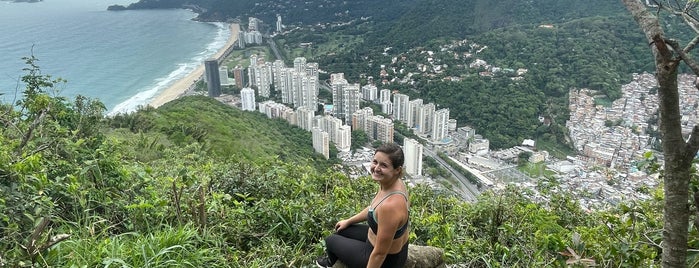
[(418, 257)]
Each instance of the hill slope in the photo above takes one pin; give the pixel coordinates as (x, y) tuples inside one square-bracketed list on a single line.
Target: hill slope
[(224, 130)]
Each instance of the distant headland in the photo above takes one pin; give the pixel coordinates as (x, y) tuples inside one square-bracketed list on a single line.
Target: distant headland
[(116, 8), (139, 5), (23, 1)]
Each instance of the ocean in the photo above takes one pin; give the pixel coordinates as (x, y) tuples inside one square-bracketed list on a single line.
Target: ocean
[(122, 58)]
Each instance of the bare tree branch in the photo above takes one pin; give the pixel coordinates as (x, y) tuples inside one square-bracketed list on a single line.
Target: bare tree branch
[(684, 56), (691, 44), (53, 241), (30, 131)]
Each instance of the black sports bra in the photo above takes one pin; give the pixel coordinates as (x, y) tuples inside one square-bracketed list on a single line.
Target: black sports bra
[(374, 224)]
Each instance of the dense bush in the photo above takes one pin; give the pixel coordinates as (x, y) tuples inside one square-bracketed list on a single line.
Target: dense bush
[(79, 194)]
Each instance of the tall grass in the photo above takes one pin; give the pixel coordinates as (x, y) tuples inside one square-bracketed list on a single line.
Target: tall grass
[(168, 247)]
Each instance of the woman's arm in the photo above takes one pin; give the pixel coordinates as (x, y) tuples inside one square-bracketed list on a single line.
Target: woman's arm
[(359, 217)]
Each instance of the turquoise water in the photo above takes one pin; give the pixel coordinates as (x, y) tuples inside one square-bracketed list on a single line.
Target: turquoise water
[(122, 58)]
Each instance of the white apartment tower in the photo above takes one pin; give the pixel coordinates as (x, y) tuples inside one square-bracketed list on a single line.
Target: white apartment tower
[(247, 96), (312, 69), (286, 89), (425, 119), (344, 138), (300, 64), (308, 95), (360, 118), (369, 93), (253, 24), (321, 142), (345, 97), (387, 107), (275, 110), (279, 23), (263, 79), (331, 125), (296, 86), (251, 69), (384, 95), (223, 76), (277, 70), (414, 107), (380, 129), (304, 118), (400, 107), (440, 126), (413, 156)]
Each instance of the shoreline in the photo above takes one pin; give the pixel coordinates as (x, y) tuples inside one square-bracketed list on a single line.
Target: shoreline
[(187, 83)]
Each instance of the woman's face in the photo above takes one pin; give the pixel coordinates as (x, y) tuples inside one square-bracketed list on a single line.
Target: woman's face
[(382, 167)]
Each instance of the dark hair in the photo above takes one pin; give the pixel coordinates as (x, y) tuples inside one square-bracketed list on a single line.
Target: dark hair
[(394, 152)]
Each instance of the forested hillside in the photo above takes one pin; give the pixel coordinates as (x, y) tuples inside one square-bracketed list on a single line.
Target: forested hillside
[(224, 131), (583, 44), (435, 19), (156, 189)]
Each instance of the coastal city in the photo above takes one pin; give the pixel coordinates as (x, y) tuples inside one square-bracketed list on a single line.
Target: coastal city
[(612, 141), (334, 133)]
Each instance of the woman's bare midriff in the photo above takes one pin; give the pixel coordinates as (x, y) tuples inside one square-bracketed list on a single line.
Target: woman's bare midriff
[(397, 244)]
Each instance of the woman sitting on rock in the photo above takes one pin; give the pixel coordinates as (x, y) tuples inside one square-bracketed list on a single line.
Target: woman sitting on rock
[(383, 241)]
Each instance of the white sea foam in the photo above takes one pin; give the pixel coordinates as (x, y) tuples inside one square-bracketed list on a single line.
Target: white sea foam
[(147, 94)]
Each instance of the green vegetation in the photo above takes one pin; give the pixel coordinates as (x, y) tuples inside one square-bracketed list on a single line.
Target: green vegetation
[(194, 183), (241, 57), (536, 170), (591, 44), (315, 44)]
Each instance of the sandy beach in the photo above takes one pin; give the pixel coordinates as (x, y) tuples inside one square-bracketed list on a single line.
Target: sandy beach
[(180, 87)]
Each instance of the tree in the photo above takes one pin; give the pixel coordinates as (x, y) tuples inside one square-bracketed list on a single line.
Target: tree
[(679, 154)]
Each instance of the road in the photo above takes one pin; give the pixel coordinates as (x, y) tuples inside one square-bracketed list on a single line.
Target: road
[(275, 50), (467, 190)]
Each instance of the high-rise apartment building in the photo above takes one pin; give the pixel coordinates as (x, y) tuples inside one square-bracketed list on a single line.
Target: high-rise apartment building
[(384, 95), (413, 157), (345, 97), (277, 70), (304, 117), (308, 92), (440, 126), (321, 142), (239, 76), (213, 81), (252, 69), (400, 107), (360, 118), (275, 110), (369, 93), (223, 76), (380, 129), (414, 107), (260, 74), (425, 119), (331, 125), (387, 107), (344, 138), (247, 97), (312, 69), (253, 24), (241, 39), (300, 65), (279, 23)]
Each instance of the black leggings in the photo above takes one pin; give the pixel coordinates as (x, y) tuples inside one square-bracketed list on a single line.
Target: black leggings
[(352, 248)]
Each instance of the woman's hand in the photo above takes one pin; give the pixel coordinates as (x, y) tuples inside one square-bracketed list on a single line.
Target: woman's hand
[(340, 225)]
